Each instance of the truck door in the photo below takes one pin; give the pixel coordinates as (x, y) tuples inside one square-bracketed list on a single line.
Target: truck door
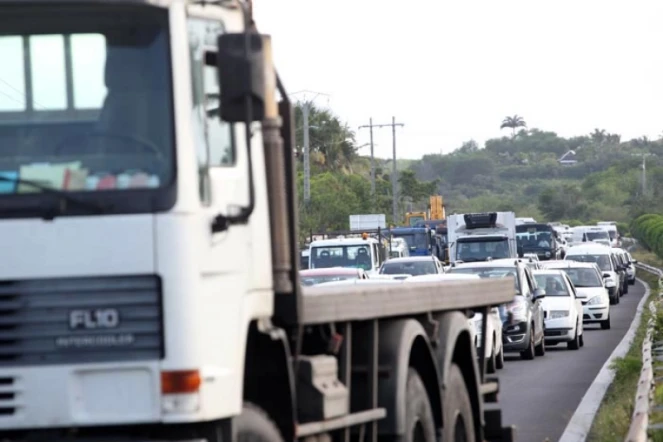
[(222, 166)]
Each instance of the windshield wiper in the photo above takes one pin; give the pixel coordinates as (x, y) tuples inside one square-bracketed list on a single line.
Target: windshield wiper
[(63, 199)]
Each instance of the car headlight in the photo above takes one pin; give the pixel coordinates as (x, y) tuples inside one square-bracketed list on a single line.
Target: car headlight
[(594, 300), (518, 309), (547, 254), (556, 314)]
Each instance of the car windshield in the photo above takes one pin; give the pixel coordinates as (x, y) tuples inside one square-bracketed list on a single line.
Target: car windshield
[(603, 261), (314, 280), (341, 256), (583, 277), (488, 272), (552, 284), (597, 234), (412, 268), (85, 100), (470, 251)]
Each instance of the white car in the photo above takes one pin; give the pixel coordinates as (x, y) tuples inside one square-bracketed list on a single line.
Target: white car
[(602, 256), (494, 350), (631, 269), (563, 309), (590, 289)]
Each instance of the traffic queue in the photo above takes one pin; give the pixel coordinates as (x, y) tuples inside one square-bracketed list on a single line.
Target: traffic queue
[(565, 279)]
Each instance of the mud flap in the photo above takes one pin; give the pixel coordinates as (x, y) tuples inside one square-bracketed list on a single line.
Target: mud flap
[(494, 431)]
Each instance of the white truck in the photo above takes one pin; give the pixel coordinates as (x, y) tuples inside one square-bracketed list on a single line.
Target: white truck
[(149, 290), (481, 236)]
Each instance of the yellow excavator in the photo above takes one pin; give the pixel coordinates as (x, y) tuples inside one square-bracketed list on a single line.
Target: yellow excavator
[(435, 212)]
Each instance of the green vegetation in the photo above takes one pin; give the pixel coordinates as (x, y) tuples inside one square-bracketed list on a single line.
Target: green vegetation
[(519, 172), (614, 417), (648, 229)]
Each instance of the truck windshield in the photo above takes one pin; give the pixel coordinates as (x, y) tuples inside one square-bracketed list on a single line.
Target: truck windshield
[(415, 219), (534, 240), (341, 256), (475, 249), (414, 240), (85, 102)]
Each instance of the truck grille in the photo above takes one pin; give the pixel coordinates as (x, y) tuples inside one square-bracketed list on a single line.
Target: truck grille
[(80, 320), (8, 396)]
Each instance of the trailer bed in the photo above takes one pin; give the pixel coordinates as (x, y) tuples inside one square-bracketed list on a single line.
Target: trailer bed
[(357, 303)]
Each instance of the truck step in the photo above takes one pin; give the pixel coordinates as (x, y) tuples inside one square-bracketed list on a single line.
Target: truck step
[(349, 420)]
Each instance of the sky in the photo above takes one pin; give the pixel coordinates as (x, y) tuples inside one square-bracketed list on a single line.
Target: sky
[(450, 71)]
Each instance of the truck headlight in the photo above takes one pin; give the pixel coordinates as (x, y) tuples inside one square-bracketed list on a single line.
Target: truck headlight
[(556, 314), (594, 300)]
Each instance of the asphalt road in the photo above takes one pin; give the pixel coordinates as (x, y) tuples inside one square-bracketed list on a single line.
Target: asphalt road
[(540, 396)]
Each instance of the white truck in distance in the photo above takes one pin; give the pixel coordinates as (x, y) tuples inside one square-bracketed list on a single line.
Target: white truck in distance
[(153, 294), (480, 236)]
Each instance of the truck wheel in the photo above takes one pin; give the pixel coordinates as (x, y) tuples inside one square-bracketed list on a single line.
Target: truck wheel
[(253, 425), (458, 417), (420, 425), (529, 352)]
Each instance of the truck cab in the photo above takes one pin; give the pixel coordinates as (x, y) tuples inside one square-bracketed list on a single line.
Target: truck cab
[(366, 254), (418, 239), (481, 236)]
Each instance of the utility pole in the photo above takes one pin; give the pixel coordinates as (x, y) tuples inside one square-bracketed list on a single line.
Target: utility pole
[(370, 127), (394, 173), (306, 109), (307, 155), (644, 172)]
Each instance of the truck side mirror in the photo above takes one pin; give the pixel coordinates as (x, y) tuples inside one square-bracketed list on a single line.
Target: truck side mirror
[(241, 64)]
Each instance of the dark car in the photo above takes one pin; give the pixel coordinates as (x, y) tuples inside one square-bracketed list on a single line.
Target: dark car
[(523, 319)]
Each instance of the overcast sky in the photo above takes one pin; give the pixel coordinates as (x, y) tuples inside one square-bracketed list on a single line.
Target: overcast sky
[(452, 70)]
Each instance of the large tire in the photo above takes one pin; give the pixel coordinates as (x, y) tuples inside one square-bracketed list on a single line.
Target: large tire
[(457, 409), (605, 325), (529, 352), (253, 425), (419, 421)]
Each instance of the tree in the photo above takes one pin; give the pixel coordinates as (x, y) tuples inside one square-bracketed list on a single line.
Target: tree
[(412, 188), (332, 142), (513, 123)]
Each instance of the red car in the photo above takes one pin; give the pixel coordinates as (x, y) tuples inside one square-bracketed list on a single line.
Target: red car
[(317, 276)]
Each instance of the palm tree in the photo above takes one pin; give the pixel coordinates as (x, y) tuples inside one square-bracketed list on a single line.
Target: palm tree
[(513, 123)]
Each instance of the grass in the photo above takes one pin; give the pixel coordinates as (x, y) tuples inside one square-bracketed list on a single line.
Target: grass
[(614, 417), (648, 258)]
